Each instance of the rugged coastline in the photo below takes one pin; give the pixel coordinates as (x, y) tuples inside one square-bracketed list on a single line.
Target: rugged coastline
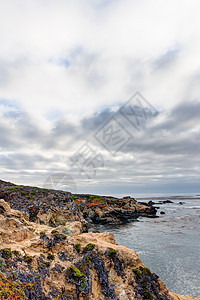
[(53, 207), (47, 253)]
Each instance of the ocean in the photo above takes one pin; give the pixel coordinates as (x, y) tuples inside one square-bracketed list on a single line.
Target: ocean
[(168, 245)]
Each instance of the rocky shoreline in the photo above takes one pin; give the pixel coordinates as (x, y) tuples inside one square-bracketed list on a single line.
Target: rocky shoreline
[(47, 253), (55, 208)]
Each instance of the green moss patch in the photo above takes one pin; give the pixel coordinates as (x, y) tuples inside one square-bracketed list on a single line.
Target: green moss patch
[(89, 247), (6, 253), (112, 252), (77, 247), (145, 271), (137, 274), (77, 277), (50, 256), (148, 295)]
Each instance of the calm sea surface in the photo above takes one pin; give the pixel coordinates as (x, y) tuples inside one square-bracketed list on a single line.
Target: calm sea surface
[(168, 245)]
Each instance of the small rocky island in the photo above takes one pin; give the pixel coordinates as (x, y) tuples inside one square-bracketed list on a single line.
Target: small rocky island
[(46, 251)]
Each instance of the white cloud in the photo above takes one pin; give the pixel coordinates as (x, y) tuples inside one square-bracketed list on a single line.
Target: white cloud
[(69, 59)]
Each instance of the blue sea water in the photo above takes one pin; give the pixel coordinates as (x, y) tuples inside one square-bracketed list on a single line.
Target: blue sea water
[(168, 245)]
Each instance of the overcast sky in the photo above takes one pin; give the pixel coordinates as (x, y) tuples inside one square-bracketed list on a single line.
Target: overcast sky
[(101, 96)]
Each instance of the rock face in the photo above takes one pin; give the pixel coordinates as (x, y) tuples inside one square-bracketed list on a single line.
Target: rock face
[(175, 296), (41, 262), (103, 210), (45, 254), (55, 208)]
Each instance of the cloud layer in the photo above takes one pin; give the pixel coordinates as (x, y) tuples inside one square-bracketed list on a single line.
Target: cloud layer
[(66, 68)]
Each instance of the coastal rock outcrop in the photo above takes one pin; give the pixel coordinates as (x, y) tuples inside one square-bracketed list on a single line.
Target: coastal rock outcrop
[(175, 296), (45, 254), (103, 210), (41, 262), (54, 208)]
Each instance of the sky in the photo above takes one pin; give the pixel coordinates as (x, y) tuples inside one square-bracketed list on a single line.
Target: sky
[(100, 96)]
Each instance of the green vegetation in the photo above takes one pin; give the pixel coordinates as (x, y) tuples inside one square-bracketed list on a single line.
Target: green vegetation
[(144, 285), (15, 252), (137, 273), (112, 252), (89, 259), (42, 234), (148, 295), (89, 247), (48, 263), (13, 290), (55, 233), (145, 271), (45, 264), (1, 265), (63, 236), (75, 272), (77, 247), (50, 256), (16, 188), (30, 192), (6, 253), (29, 259), (42, 190), (58, 235), (90, 198), (23, 193), (77, 276), (34, 192)]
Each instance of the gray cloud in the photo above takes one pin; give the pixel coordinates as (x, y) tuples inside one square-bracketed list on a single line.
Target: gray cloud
[(166, 59), (79, 61)]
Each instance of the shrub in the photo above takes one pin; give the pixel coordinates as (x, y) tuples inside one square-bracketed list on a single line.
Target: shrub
[(112, 252), (55, 233), (50, 256), (137, 273), (89, 259), (63, 236), (48, 263), (89, 247), (77, 247), (75, 273), (145, 271), (29, 259), (14, 290), (148, 295), (6, 253), (16, 188), (42, 234)]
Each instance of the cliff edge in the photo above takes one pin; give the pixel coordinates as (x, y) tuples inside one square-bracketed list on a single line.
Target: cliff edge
[(41, 262), (47, 253)]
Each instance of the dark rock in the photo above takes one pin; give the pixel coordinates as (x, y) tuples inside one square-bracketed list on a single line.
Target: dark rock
[(151, 202), (63, 206), (167, 201)]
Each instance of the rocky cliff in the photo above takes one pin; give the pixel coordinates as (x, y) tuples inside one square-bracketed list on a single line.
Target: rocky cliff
[(55, 208), (44, 257)]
